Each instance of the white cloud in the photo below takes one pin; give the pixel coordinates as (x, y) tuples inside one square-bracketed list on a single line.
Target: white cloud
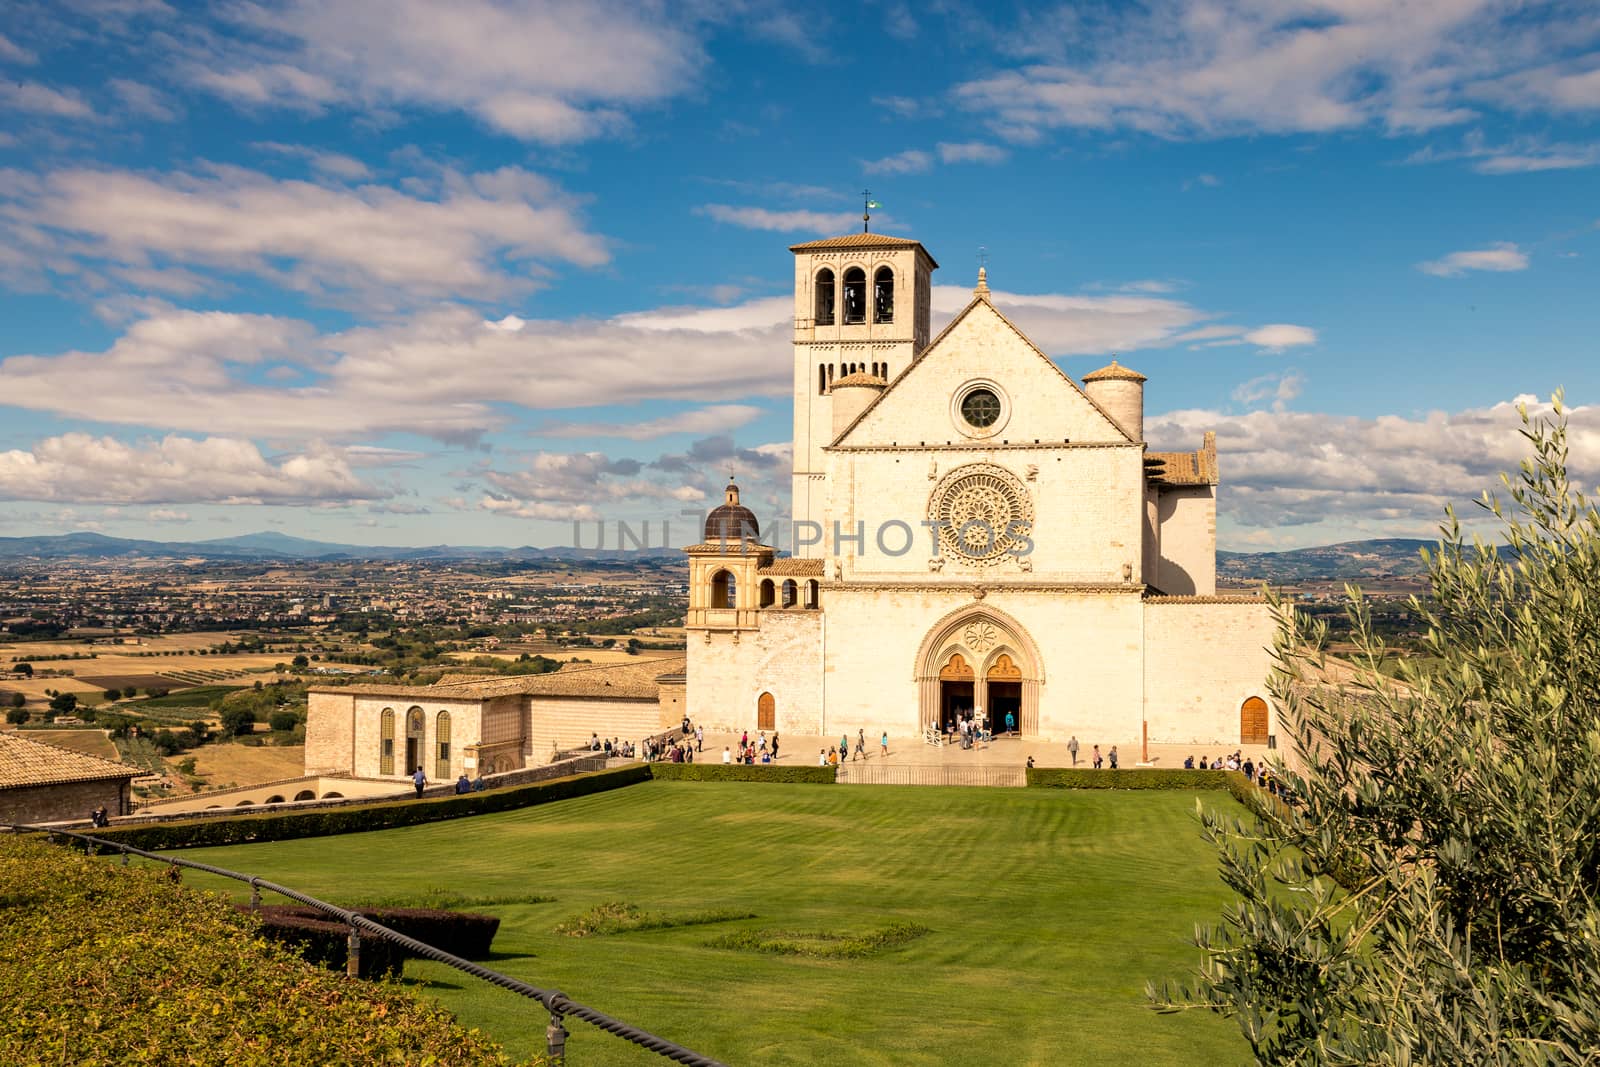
[(477, 235), (1341, 477), (143, 101), (1522, 155), (334, 164), (1280, 335), (971, 152), (717, 418), (1503, 256), (11, 52), (36, 99), (448, 374), (1216, 68), (759, 218), (167, 515), (82, 468), (911, 161), (555, 71)]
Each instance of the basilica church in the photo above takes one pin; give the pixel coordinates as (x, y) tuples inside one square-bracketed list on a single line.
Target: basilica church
[(975, 534)]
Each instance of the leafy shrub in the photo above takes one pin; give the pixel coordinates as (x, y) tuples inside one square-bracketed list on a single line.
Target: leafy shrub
[(84, 981), (384, 815), (462, 934), (617, 917), (236, 721), (283, 720), (1089, 778), (741, 772), (821, 945)]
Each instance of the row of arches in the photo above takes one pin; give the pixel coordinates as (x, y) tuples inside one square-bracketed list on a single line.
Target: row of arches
[(853, 284), (304, 794), (415, 749), (770, 593), (826, 371)]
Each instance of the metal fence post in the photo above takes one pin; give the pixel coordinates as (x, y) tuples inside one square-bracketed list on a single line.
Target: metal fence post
[(352, 957), (555, 1039)]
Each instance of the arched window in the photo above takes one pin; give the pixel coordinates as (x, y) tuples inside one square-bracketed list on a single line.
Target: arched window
[(825, 297), (811, 594), (724, 590), (333, 796), (883, 295), (275, 799), (791, 593), (767, 593), (441, 769), (855, 296), (830, 374), (822, 378), (386, 745), (306, 794)]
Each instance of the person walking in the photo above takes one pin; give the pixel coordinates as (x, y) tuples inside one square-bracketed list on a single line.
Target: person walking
[(883, 743), (699, 738), (1072, 747), (419, 780), (774, 744), (1113, 757), (1097, 757), (1011, 723), (861, 744)]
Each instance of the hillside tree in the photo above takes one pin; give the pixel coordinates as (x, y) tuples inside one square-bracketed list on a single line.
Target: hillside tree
[(1429, 896)]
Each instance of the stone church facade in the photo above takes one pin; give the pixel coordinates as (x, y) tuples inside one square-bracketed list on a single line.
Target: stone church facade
[(973, 530)]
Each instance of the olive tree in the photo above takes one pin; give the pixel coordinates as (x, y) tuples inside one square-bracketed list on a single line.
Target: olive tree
[(1429, 893)]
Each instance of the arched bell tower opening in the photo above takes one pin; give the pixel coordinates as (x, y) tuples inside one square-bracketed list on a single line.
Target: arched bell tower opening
[(862, 302), (975, 658)]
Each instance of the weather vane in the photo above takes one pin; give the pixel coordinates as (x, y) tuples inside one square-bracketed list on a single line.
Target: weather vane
[(867, 204)]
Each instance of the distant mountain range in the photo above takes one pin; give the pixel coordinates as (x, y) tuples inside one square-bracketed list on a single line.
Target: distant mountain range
[(268, 545), (1350, 561)]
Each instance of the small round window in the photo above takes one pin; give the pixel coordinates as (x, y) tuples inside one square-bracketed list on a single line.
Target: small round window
[(981, 408)]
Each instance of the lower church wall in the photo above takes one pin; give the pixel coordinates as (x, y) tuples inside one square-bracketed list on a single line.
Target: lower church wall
[(1202, 662), (566, 723), (344, 734), (783, 657), (1088, 645)]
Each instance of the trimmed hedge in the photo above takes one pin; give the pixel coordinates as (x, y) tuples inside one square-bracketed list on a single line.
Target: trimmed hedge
[(1166, 778), (387, 815), (460, 933), (101, 964), (320, 940), (742, 772)]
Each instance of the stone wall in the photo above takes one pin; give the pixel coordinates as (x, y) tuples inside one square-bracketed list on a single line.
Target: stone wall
[(1203, 660), (783, 657), (63, 801), (1188, 541), (330, 733), (565, 723)]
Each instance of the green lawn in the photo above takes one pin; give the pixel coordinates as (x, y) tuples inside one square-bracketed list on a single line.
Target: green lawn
[(1046, 909)]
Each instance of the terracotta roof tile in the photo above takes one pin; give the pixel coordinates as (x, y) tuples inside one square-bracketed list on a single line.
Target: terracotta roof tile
[(1115, 373), (790, 567), (856, 240), (25, 762), (860, 377)]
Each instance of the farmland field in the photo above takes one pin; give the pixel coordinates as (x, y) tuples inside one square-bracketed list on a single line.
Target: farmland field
[(1042, 913), (131, 681)]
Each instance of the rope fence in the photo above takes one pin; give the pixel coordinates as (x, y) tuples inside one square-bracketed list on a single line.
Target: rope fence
[(558, 1004)]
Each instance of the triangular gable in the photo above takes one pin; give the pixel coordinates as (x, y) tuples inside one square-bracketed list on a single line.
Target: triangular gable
[(861, 428)]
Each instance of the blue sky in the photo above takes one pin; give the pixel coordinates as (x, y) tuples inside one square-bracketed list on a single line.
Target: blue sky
[(405, 273)]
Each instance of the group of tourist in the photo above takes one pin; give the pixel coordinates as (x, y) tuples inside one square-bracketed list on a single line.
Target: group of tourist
[(759, 750), (1236, 762), (837, 754), (612, 747)]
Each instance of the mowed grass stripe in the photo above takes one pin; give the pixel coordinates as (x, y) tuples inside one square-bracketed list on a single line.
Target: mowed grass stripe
[(1047, 911)]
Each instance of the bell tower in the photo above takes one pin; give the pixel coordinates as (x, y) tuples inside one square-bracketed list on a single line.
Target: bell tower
[(861, 306)]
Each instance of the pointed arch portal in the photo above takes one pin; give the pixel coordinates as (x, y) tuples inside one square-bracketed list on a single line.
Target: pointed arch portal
[(979, 657)]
